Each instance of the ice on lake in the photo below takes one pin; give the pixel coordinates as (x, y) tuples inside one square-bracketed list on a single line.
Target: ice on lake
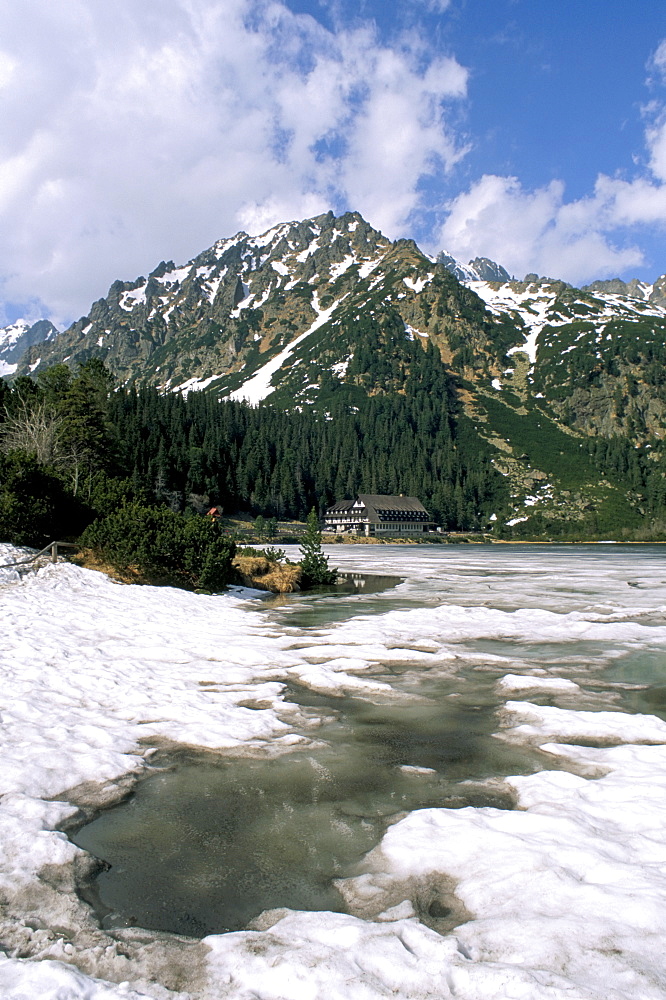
[(557, 650)]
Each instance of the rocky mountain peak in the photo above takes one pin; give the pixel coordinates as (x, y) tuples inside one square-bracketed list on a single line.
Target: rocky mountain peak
[(488, 270), (18, 338)]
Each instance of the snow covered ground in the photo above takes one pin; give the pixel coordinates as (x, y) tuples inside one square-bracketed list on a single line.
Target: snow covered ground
[(562, 898)]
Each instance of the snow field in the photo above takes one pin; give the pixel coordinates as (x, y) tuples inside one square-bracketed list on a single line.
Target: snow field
[(561, 898), (572, 882)]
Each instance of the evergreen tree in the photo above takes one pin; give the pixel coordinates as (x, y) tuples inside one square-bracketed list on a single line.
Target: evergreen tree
[(314, 563), (271, 527)]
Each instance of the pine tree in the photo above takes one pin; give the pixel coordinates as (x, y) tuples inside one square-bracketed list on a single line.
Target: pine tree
[(314, 563)]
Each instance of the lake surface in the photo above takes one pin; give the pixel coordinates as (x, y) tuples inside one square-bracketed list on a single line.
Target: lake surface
[(207, 843)]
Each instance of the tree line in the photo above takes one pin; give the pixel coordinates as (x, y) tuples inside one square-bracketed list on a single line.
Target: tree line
[(74, 447)]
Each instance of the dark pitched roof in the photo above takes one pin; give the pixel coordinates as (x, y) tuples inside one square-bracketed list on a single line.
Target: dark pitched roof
[(375, 503), (379, 507)]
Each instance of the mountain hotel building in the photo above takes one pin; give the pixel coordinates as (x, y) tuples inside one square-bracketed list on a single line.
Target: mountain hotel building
[(374, 514)]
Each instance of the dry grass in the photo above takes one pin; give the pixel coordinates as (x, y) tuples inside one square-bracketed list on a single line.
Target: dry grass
[(252, 571), (132, 574), (90, 560), (263, 574)]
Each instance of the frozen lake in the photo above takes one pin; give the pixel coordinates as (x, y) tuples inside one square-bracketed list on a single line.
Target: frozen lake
[(479, 752)]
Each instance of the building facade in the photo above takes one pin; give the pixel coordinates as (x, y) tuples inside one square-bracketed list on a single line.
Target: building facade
[(374, 514)]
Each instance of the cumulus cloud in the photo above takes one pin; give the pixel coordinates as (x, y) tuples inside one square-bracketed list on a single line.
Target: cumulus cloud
[(579, 240), (136, 131), (539, 231)]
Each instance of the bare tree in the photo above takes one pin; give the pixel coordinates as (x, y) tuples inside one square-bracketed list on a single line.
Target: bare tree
[(36, 429), (200, 502)]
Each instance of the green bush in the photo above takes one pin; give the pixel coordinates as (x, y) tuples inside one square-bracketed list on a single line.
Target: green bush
[(35, 506), (193, 553)]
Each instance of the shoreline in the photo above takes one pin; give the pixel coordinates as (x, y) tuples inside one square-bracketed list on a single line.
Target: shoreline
[(333, 541), (150, 666)]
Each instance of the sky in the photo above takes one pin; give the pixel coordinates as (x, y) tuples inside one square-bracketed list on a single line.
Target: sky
[(532, 132)]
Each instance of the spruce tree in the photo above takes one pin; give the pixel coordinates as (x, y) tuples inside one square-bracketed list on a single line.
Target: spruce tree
[(314, 563)]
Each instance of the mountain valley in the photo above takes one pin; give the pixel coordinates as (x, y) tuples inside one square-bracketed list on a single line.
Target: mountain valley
[(562, 391)]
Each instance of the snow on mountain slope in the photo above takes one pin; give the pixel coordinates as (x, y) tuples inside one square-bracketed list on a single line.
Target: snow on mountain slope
[(217, 320), (260, 385), (547, 303), (9, 337), (18, 337), (307, 308)]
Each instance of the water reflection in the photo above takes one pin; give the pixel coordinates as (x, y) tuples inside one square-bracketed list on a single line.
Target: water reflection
[(326, 605)]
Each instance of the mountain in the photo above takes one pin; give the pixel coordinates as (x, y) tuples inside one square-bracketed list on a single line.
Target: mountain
[(595, 354), (479, 269), (18, 338), (563, 388), (251, 316)]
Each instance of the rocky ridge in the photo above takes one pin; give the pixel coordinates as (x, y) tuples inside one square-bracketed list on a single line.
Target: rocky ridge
[(307, 309), (18, 338)]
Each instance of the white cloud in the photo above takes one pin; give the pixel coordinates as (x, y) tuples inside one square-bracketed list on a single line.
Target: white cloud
[(656, 143), (538, 230), (137, 131), (579, 240), (438, 6), (657, 63)]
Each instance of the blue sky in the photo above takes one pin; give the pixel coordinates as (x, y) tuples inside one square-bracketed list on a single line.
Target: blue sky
[(530, 132)]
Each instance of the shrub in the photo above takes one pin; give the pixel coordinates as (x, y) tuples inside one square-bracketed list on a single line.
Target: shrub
[(191, 552), (35, 505), (270, 553)]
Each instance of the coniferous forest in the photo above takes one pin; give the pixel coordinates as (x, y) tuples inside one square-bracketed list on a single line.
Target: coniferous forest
[(75, 435), (75, 448)]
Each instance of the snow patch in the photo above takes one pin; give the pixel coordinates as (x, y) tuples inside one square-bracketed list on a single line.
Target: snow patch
[(271, 236), (175, 277), (366, 269), (525, 721), (195, 384), (342, 266), (259, 386), (411, 332), (304, 254), (244, 303), (134, 297), (418, 284), (517, 682), (340, 369), (10, 335)]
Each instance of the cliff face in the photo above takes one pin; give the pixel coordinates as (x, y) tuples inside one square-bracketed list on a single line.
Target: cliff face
[(215, 322)]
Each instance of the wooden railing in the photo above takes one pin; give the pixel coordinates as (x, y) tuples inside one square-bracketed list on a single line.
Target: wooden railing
[(52, 547)]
